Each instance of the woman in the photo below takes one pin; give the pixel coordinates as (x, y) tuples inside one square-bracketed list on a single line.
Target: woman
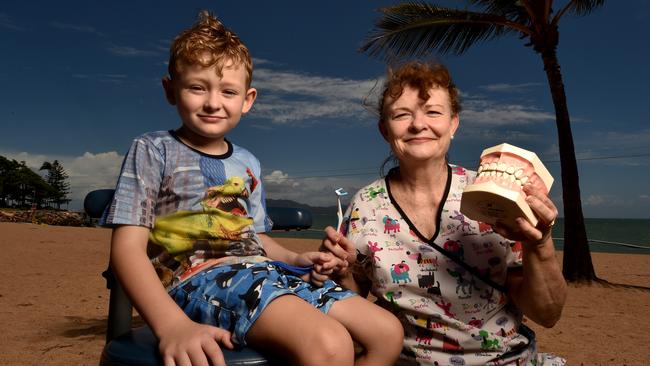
[(459, 288)]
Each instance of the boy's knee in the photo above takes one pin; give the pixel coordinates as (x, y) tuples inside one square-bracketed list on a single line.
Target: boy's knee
[(327, 345), (388, 338)]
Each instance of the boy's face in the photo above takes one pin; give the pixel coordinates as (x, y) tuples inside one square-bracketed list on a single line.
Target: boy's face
[(209, 106)]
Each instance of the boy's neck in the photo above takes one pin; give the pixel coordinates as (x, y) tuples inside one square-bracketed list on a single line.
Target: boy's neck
[(210, 146)]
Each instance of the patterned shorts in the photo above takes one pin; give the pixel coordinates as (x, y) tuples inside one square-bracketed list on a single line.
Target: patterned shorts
[(233, 296)]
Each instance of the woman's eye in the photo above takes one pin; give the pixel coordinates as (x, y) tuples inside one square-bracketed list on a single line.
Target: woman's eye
[(434, 113), (400, 115)]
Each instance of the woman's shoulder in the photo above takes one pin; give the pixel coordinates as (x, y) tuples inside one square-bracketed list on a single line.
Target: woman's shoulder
[(378, 186), (464, 174)]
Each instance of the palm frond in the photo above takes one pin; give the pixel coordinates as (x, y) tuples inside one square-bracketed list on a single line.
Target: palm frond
[(414, 29), (507, 8), (578, 7), (584, 7)]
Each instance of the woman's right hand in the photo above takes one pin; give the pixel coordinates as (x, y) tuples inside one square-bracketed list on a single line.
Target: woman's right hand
[(340, 246), (186, 342)]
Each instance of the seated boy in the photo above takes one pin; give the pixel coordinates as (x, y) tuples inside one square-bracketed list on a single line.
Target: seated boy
[(189, 243)]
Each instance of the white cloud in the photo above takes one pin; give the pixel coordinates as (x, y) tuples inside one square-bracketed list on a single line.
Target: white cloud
[(7, 22), (314, 191), (277, 177), (594, 200), (105, 78), (615, 148), (290, 97), (128, 51), (490, 113), (75, 28), (509, 88)]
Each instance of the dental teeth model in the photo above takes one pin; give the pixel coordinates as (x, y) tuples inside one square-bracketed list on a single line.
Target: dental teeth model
[(497, 194)]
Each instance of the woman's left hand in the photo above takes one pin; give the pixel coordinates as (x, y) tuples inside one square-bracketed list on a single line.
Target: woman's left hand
[(546, 213)]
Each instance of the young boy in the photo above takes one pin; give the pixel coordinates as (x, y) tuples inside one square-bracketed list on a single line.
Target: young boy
[(193, 202)]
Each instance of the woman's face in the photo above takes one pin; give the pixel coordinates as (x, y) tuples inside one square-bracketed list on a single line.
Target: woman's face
[(419, 131)]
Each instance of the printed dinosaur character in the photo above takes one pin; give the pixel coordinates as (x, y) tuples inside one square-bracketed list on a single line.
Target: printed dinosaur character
[(222, 221), (225, 197)]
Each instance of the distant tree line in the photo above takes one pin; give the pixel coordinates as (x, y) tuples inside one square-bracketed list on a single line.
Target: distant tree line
[(20, 186)]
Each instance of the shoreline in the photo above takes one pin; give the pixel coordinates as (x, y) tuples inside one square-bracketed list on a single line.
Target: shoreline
[(54, 301)]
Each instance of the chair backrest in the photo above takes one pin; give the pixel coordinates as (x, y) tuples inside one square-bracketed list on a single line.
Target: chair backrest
[(96, 202), (284, 218)]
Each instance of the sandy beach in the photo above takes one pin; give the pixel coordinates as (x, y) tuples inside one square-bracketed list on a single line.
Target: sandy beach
[(53, 301)]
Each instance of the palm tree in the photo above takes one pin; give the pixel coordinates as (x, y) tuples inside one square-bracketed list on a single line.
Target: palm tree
[(414, 29)]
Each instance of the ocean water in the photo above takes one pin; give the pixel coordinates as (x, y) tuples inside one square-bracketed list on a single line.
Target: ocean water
[(635, 232)]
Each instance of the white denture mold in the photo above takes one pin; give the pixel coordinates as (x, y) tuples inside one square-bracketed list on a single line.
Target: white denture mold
[(497, 193)]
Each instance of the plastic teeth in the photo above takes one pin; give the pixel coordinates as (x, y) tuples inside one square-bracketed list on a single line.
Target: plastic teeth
[(504, 171)]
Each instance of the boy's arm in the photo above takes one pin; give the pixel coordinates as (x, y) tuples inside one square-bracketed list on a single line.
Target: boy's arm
[(276, 251), (324, 264), (181, 339)]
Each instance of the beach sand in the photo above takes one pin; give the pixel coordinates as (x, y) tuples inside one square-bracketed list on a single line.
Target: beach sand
[(53, 302)]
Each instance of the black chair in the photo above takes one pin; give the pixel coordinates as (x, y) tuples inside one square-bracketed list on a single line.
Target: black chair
[(139, 346)]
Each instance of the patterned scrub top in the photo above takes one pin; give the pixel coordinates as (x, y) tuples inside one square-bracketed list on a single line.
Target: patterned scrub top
[(199, 207), (449, 316)]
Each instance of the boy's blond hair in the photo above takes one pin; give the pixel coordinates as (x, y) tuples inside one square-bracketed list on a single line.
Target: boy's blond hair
[(209, 43)]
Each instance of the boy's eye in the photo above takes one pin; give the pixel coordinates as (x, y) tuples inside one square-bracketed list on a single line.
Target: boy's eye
[(196, 88), (230, 92)]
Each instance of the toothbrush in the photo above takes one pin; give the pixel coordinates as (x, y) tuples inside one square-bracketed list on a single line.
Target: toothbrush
[(339, 193)]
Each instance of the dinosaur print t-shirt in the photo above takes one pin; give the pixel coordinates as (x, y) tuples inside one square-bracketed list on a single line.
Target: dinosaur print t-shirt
[(450, 317), (199, 207)]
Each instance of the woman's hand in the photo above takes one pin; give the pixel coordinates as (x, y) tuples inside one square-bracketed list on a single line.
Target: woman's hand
[(528, 234), (339, 246), (324, 265)]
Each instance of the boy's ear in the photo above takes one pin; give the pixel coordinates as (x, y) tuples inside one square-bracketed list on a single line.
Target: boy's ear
[(249, 99), (168, 85)]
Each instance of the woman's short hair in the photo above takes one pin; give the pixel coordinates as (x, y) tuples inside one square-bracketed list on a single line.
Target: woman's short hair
[(422, 76)]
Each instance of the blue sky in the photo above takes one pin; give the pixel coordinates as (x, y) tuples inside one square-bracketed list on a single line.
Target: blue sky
[(80, 79)]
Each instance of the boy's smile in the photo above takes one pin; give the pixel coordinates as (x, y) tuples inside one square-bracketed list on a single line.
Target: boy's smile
[(209, 106)]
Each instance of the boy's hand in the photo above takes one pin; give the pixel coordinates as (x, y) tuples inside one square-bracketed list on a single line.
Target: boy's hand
[(191, 343), (324, 265), (339, 246)]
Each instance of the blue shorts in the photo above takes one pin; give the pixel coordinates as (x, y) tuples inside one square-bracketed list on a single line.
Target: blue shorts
[(233, 296)]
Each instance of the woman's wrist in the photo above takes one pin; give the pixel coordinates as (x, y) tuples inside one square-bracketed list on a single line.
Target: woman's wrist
[(543, 249)]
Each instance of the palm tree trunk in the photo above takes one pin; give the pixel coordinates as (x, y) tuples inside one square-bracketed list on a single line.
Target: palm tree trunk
[(577, 265)]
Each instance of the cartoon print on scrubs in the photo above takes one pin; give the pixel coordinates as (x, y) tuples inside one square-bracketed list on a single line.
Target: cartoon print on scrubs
[(450, 317)]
